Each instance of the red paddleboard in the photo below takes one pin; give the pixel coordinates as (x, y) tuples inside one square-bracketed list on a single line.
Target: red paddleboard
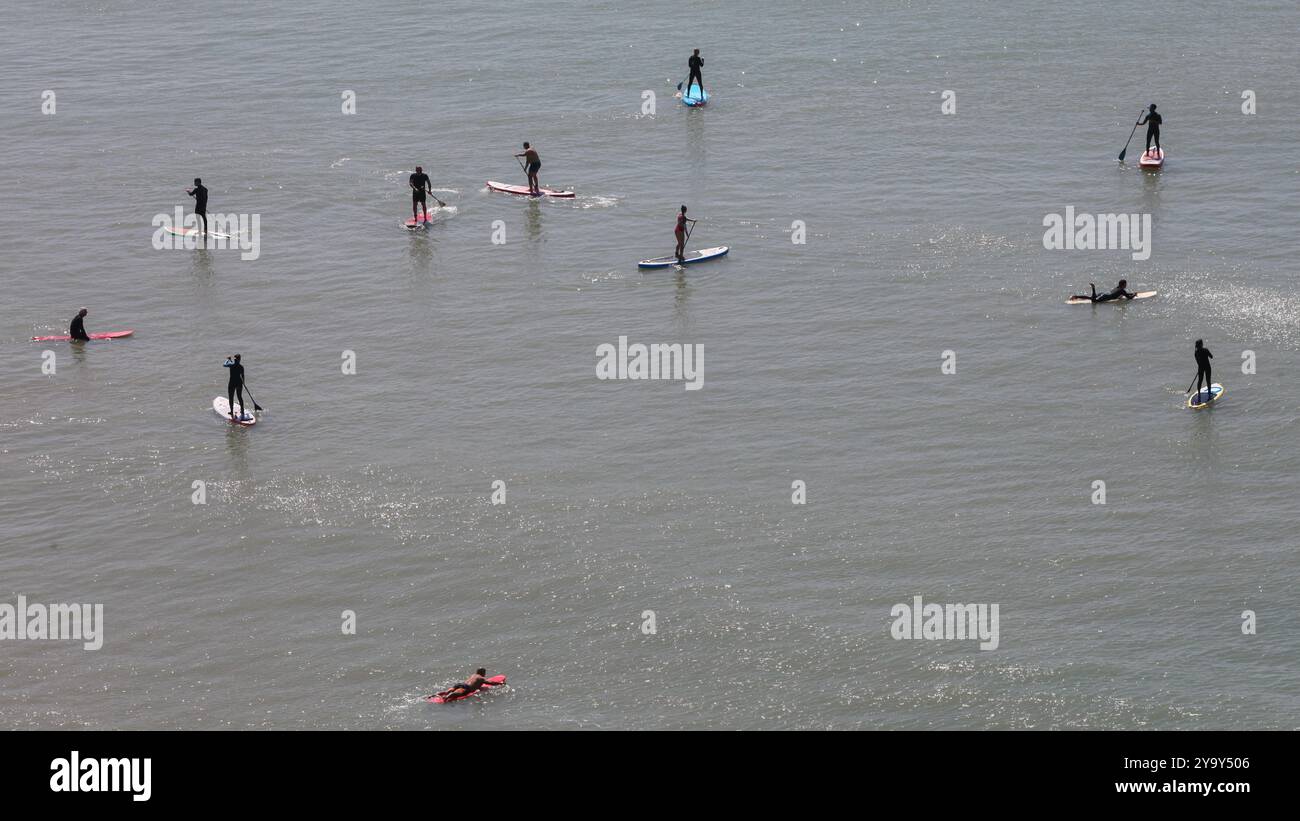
[(1153, 158), (422, 219), (495, 681), (109, 335), (523, 189)]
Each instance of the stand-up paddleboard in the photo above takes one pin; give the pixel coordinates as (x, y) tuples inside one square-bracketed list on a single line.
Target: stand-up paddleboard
[(421, 219), (495, 681), (523, 190), (66, 338), (695, 96), (196, 233), (1205, 397), (689, 258), (222, 406), (1074, 300), (1153, 158)]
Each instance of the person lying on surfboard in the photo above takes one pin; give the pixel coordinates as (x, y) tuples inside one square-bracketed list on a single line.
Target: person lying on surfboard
[(1203, 357), (682, 233), (420, 186), (534, 164), (474, 682), (1153, 122), (235, 386), (1121, 292), (78, 328)]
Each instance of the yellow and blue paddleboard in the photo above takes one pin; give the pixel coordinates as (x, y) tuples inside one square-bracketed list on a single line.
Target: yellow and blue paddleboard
[(1205, 397)]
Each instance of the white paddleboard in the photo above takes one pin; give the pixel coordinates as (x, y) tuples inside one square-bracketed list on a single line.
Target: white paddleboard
[(196, 233), (688, 258), (222, 406), (1074, 300), (1205, 397)]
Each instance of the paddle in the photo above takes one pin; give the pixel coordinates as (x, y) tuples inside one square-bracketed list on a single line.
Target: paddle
[(441, 204), (1129, 140), (256, 406)]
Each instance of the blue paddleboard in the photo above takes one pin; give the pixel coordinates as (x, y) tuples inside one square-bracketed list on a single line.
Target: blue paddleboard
[(695, 95), (1205, 397)]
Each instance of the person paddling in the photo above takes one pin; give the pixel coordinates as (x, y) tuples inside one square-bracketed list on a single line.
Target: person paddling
[(200, 195), (532, 164), (420, 186), (695, 64), (1121, 292), (1153, 121), (682, 233), (236, 387), (469, 685), (78, 328), (1203, 357)]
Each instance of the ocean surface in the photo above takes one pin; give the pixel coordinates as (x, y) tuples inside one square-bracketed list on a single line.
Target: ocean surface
[(475, 363)]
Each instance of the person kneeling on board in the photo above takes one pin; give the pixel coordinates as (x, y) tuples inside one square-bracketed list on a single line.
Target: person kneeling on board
[(78, 328), (236, 387), (1203, 357), (682, 234), (534, 164), (474, 682), (1121, 292)]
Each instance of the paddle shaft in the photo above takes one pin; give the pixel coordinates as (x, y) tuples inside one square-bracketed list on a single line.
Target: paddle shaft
[(1136, 123)]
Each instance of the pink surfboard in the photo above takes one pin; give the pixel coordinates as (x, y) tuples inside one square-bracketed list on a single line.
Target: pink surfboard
[(1153, 158), (506, 188), (422, 219), (65, 338), (495, 681)]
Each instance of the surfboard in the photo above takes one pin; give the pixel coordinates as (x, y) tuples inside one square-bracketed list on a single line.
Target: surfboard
[(689, 258), (66, 338), (421, 219), (1074, 300), (495, 681), (195, 232), (506, 188), (1153, 158), (222, 406), (695, 96), (1205, 397)]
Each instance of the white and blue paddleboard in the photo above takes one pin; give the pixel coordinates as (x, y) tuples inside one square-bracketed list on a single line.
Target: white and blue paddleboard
[(1205, 397), (694, 95), (688, 258)]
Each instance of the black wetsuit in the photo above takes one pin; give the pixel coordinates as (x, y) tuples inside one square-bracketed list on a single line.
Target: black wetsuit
[(419, 183), (1118, 293), (1203, 357), (78, 329), (236, 386), (695, 64), (200, 195), (1153, 122)]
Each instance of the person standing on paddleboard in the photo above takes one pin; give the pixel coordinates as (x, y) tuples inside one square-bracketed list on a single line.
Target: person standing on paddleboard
[(200, 195), (236, 386), (78, 328), (1120, 292), (1153, 121), (474, 682), (1203, 357), (420, 186), (533, 164), (682, 232), (696, 64)]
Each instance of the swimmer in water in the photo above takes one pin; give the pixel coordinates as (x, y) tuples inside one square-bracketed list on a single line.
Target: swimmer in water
[(472, 684)]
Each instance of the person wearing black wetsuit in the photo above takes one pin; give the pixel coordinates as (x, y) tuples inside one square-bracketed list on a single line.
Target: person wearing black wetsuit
[(420, 186), (78, 328), (1153, 122), (1203, 357), (236, 386), (1120, 292), (200, 195), (696, 64)]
